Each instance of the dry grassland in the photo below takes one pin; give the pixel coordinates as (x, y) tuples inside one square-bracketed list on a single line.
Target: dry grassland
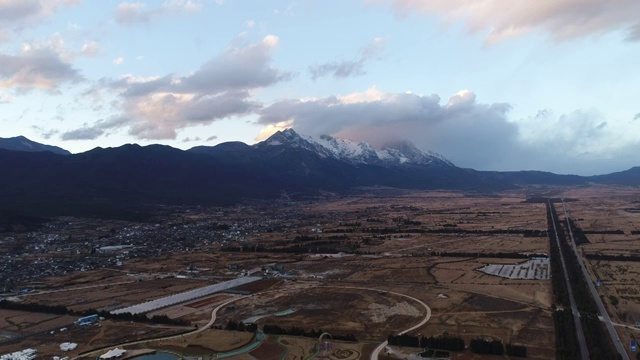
[(391, 256)]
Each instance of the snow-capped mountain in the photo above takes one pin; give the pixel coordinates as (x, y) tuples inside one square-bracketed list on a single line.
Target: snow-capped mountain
[(392, 154)]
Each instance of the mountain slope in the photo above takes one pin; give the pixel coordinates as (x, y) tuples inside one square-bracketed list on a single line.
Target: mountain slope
[(21, 143), (392, 154), (627, 177), (122, 181)]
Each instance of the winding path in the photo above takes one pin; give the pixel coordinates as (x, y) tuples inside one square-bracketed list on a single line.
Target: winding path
[(374, 354), (214, 314), (376, 351)]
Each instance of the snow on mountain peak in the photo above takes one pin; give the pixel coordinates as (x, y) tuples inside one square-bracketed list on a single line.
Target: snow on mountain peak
[(397, 153)]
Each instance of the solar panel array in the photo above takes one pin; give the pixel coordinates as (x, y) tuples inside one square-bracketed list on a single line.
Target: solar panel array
[(185, 296)]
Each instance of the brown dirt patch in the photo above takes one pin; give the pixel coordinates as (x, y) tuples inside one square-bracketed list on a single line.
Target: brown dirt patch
[(269, 350)]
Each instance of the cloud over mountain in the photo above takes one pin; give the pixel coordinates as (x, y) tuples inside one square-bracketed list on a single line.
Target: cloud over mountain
[(469, 133)]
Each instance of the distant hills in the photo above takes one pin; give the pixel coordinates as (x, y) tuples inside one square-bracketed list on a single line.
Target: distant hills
[(122, 181), (21, 143)]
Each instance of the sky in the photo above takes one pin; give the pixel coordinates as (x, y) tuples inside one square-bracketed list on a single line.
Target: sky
[(550, 85)]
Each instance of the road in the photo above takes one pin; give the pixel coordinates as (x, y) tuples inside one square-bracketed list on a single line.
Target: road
[(376, 351), (582, 342), (198, 330), (594, 293), (630, 327)]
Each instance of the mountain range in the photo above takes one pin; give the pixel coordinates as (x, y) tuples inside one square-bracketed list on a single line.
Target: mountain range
[(120, 181)]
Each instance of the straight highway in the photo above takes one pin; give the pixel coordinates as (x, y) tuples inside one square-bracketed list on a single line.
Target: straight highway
[(582, 342), (594, 293)]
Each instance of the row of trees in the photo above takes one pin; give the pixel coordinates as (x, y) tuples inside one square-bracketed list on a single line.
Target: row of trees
[(441, 343), (604, 232), (566, 342), (62, 310), (495, 347), (294, 249), (483, 346), (597, 339), (240, 326), (578, 235), (502, 255), (450, 230), (298, 331), (478, 346), (613, 257)]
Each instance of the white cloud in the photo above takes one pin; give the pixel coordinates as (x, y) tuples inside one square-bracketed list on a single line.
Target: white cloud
[(16, 15), (271, 129), (188, 139), (250, 24), (467, 132), (44, 133), (156, 107), (38, 65), (90, 48), (119, 60), (560, 19), (130, 13), (73, 26), (5, 99), (101, 128), (349, 68)]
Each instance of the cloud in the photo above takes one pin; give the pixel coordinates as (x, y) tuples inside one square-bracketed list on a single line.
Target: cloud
[(156, 107), (188, 139), (5, 99), (36, 67), (271, 129), (100, 128), (42, 64), (560, 19), (85, 133), (238, 68), (462, 129), (16, 15), (467, 132), (117, 61), (250, 24), (637, 116), (288, 11), (128, 13), (44, 133), (212, 137), (349, 68), (158, 116), (90, 48)]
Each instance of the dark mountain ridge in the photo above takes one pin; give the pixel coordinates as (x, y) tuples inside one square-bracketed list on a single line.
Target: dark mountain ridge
[(121, 181), (21, 143)]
